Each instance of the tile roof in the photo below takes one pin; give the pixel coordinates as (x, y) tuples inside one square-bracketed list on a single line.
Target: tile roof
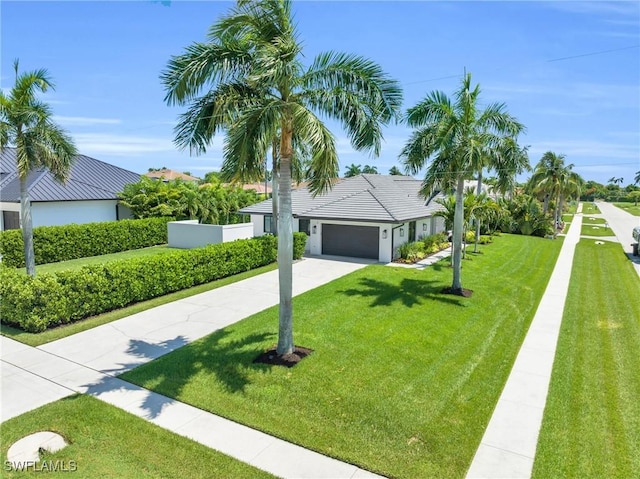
[(257, 187), (89, 179), (378, 198), (170, 175)]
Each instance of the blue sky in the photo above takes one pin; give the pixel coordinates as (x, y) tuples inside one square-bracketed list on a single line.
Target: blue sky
[(106, 57)]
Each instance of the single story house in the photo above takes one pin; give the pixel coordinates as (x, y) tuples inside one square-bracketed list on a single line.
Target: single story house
[(365, 216), (89, 195)]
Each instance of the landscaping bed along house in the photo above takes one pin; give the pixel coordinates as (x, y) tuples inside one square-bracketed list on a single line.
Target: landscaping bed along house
[(51, 299)]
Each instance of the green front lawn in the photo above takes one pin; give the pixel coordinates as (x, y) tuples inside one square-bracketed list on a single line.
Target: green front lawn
[(36, 339), (588, 230), (591, 425), (402, 380), (107, 442), (629, 208), (80, 262), (590, 208)]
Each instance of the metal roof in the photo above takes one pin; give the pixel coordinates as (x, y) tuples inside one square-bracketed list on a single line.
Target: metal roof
[(376, 198), (89, 179)]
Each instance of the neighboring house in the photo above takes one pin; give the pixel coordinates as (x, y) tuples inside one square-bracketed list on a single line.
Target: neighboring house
[(169, 175), (366, 216), (88, 196), (257, 187), (484, 188)]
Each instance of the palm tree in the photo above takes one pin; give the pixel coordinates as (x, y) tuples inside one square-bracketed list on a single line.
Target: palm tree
[(453, 137), (370, 170), (508, 160), (25, 122), (353, 170), (636, 180), (395, 171), (556, 181), (545, 178), (256, 88)]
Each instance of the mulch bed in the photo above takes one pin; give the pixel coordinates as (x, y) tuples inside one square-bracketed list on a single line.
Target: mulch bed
[(458, 292), (286, 360)]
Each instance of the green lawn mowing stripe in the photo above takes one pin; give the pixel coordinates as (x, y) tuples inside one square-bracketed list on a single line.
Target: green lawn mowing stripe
[(104, 441), (591, 425), (402, 380)]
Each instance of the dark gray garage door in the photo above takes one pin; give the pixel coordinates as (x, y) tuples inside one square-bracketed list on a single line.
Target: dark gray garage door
[(346, 240)]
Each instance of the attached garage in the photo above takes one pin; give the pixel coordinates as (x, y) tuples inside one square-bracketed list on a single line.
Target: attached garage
[(349, 240)]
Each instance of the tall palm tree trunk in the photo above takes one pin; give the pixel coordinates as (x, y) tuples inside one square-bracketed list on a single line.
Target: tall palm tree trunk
[(285, 246), (275, 178), (477, 220), (458, 227), (27, 228)]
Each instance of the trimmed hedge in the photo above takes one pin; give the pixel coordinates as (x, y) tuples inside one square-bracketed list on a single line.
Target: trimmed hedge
[(34, 304), (61, 243)]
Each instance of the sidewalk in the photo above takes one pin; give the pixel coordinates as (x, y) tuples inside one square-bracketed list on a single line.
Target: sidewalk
[(508, 447), (87, 363)]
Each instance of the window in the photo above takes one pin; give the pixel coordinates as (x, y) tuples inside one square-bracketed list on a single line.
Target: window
[(267, 223), (304, 226), (412, 231), (11, 220)]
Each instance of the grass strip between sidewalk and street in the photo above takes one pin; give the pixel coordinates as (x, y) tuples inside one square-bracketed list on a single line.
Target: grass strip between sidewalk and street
[(591, 424), (588, 230), (104, 441), (37, 339), (590, 208), (403, 379)]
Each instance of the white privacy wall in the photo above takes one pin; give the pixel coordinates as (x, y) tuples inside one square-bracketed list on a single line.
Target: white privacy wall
[(54, 213), (189, 234)]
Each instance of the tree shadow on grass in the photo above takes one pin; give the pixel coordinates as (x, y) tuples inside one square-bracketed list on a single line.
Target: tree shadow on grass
[(410, 292), (230, 361)]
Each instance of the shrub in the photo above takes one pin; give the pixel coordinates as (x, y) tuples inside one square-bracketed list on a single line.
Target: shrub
[(36, 303), (61, 243), (436, 242), (412, 251)]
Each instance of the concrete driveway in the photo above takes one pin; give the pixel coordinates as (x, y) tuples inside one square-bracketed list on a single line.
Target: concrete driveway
[(622, 224)]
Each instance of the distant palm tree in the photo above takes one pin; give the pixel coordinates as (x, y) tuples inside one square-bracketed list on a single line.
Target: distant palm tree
[(395, 171), (370, 170), (453, 137), (257, 89), (556, 181), (26, 123), (636, 180), (353, 170)]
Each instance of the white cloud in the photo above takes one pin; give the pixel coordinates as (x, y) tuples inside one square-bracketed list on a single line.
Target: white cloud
[(120, 145), (605, 151), (85, 121)]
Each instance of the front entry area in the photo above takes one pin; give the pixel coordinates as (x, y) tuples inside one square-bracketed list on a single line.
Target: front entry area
[(349, 240)]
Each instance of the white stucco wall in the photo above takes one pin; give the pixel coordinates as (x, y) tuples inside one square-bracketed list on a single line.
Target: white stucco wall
[(53, 213), (189, 234)]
